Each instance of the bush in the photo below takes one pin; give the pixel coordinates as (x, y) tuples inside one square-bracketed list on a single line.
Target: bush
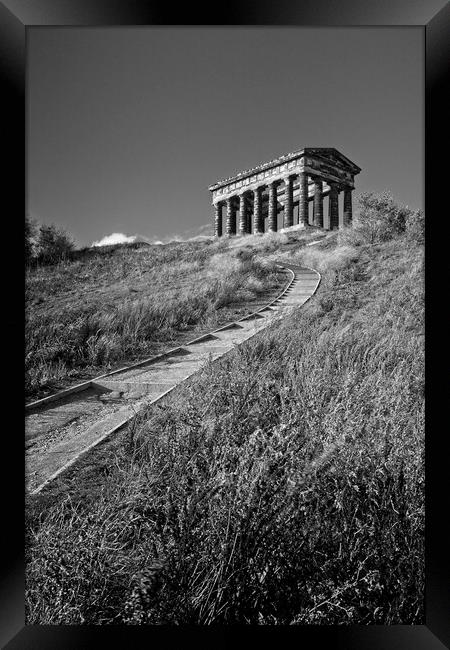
[(53, 244), (380, 218), (415, 227), (349, 236)]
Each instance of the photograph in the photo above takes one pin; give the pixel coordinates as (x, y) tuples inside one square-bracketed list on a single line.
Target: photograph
[(224, 328), (224, 418)]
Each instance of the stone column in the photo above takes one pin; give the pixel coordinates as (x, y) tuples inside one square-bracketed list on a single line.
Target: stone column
[(318, 203), (231, 216), (258, 224), (348, 212), (218, 219), (248, 217), (303, 199), (272, 225), (242, 214), (288, 219), (333, 206)]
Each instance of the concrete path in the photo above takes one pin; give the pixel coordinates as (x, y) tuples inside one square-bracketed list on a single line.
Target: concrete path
[(61, 428)]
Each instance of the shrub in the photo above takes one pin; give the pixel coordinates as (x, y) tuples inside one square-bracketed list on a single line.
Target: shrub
[(53, 244), (415, 227), (380, 218), (350, 236)]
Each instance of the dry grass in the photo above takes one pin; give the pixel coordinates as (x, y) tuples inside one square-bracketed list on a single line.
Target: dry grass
[(86, 316), (285, 485)]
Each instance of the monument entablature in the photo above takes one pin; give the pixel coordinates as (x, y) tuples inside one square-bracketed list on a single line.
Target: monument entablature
[(283, 184)]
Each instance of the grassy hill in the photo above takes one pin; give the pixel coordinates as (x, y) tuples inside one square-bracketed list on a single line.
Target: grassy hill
[(90, 314), (283, 485)]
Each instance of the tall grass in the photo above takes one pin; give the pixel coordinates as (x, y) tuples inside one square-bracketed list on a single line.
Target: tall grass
[(89, 314), (285, 485)]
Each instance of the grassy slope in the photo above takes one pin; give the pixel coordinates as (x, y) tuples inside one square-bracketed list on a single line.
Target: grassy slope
[(85, 317), (284, 485)]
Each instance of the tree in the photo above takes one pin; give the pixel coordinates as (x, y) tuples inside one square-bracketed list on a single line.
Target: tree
[(53, 244)]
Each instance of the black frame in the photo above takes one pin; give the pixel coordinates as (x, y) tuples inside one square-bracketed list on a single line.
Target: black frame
[(16, 16)]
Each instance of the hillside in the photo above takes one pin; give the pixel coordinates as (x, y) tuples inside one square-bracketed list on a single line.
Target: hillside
[(106, 307), (284, 485)]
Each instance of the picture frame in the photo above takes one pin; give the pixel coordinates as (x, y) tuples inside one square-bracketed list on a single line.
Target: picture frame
[(17, 16)]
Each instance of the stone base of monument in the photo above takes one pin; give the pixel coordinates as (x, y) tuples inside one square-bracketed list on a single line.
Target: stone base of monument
[(298, 226)]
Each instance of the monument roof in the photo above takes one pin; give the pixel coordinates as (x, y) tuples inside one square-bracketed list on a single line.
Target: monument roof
[(314, 151)]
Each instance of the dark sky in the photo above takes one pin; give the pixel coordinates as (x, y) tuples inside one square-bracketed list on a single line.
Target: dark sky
[(127, 127)]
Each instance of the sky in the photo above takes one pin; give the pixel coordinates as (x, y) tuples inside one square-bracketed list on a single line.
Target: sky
[(127, 127)]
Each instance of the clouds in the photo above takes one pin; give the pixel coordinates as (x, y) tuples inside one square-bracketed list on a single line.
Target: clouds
[(203, 232), (115, 238)]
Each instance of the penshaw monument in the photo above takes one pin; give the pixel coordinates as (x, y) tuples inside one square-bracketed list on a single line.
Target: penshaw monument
[(281, 189)]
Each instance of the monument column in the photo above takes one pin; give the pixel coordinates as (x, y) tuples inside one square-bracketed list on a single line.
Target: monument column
[(303, 199), (231, 216), (272, 225), (258, 224), (333, 207), (242, 213), (318, 203), (288, 219), (218, 219), (348, 212), (248, 216)]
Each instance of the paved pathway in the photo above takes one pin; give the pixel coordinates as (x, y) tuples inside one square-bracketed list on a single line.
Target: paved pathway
[(59, 432)]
